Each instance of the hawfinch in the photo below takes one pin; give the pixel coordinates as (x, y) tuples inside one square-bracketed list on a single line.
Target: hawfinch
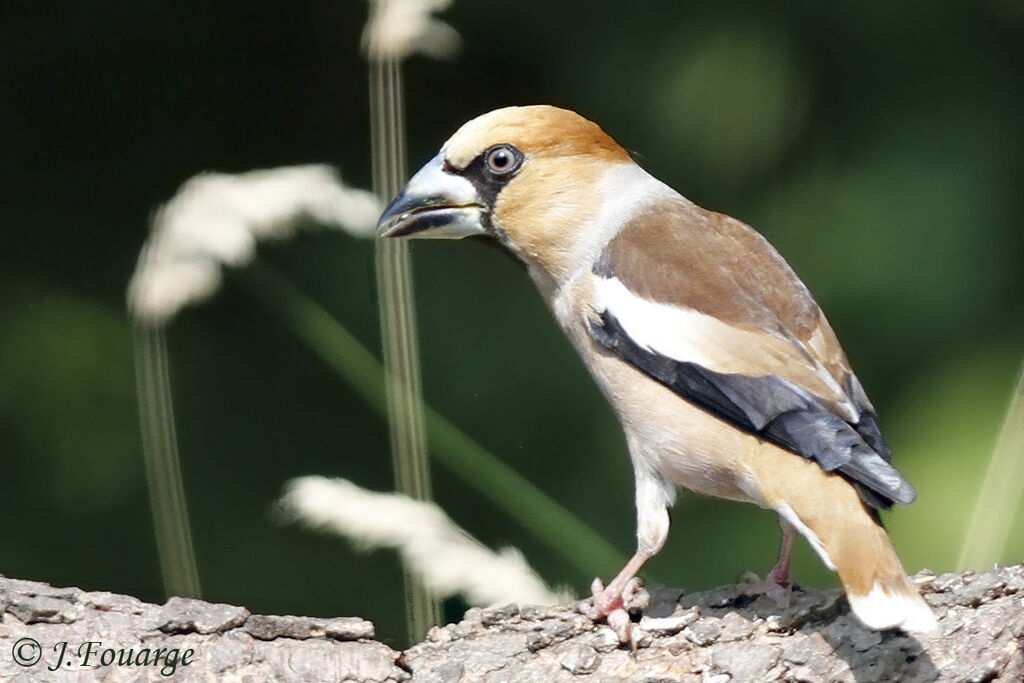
[(725, 374)]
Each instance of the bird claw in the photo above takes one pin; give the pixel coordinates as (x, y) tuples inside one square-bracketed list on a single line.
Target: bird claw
[(618, 620), (630, 590), (609, 604)]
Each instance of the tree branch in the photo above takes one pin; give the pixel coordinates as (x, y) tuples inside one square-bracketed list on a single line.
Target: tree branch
[(719, 636)]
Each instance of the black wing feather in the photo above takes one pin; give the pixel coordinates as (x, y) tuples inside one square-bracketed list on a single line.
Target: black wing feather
[(774, 409)]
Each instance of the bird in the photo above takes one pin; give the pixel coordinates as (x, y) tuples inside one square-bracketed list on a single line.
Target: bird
[(725, 374)]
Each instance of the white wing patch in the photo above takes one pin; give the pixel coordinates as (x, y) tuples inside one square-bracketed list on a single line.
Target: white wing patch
[(690, 336), (678, 333)]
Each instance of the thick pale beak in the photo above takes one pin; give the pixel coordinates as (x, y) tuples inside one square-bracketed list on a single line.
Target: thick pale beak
[(434, 204)]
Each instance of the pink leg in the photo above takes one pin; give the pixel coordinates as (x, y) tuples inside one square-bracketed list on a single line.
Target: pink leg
[(776, 583), (611, 602), (653, 496)]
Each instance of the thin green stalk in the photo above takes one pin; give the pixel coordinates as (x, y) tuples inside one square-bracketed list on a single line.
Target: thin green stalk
[(1001, 491), (163, 468), (398, 326), (562, 531)]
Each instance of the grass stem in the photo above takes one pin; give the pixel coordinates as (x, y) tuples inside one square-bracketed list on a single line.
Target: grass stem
[(581, 547), (398, 325), (163, 468), (1001, 492)]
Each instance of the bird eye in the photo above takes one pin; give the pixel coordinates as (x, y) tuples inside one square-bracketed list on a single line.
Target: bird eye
[(503, 159)]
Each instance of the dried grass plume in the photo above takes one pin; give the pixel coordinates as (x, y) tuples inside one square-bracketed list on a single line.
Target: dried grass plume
[(399, 28), (217, 219), (442, 555)]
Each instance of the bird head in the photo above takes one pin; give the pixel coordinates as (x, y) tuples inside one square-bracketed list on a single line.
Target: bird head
[(537, 179)]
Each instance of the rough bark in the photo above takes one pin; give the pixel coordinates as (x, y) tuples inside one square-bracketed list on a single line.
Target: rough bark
[(723, 636)]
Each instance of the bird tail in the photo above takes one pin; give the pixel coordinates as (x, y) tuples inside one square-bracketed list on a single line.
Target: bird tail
[(893, 602), (878, 589), (827, 511)]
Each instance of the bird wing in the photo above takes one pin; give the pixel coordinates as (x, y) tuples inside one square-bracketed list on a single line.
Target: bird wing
[(703, 304)]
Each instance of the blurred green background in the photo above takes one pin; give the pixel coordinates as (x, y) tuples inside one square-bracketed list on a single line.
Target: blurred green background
[(879, 146)]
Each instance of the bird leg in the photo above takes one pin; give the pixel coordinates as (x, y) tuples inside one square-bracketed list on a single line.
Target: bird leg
[(653, 496), (776, 583), (611, 601)]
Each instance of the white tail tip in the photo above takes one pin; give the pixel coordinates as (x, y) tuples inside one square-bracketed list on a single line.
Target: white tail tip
[(885, 608)]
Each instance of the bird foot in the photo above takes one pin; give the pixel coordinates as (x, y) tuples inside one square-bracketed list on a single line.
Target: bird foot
[(776, 586), (610, 604)]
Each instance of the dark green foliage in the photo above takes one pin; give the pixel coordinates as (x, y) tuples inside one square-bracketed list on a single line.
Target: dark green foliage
[(878, 147)]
